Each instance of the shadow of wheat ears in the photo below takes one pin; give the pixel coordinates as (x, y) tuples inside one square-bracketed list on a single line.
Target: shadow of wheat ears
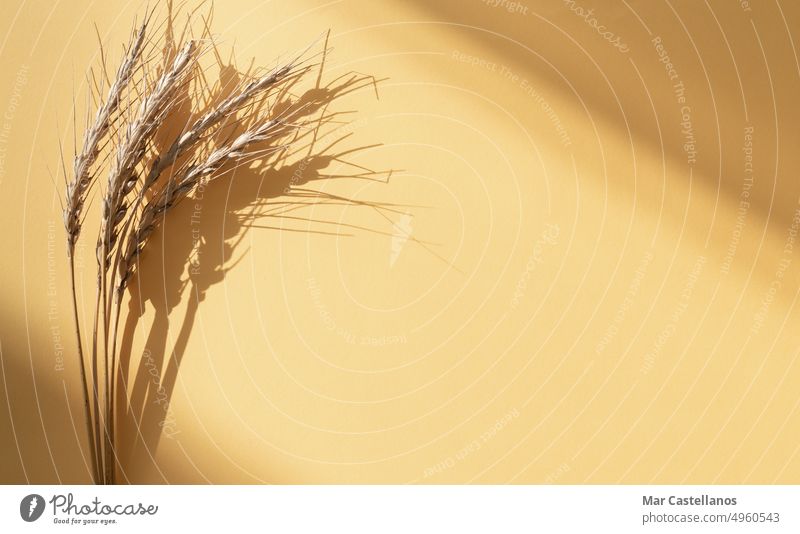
[(138, 178)]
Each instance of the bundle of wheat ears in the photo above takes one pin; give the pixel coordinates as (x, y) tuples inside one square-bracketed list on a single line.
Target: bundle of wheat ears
[(149, 166)]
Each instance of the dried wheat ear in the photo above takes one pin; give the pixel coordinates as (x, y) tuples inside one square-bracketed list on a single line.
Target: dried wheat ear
[(161, 72)]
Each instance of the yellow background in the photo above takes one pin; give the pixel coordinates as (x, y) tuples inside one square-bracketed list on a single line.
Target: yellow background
[(563, 312)]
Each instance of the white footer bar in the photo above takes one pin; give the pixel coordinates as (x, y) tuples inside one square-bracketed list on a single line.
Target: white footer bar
[(401, 509)]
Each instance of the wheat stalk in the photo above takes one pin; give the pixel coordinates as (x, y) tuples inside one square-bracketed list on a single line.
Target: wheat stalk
[(76, 193), (143, 183), (154, 108)]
